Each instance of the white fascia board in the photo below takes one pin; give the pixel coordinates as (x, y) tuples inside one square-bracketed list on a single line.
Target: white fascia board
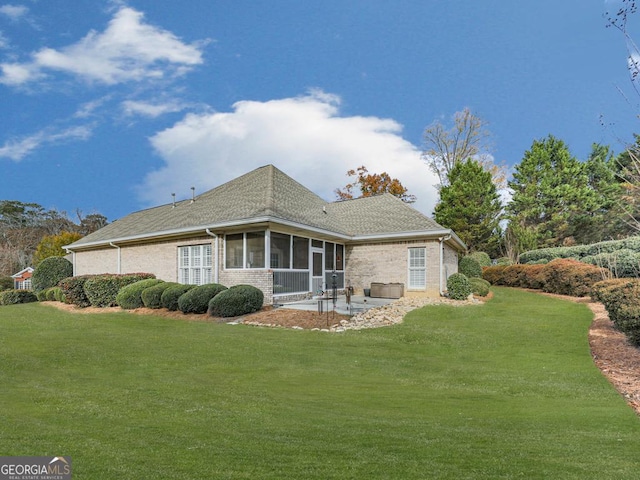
[(414, 234)]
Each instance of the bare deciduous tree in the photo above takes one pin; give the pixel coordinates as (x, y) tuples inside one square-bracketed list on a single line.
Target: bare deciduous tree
[(468, 138)]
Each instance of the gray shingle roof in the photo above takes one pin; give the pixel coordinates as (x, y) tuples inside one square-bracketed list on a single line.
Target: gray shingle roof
[(267, 193)]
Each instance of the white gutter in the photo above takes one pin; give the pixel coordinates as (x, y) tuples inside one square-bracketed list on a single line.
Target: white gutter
[(442, 240), (119, 256), (215, 254)]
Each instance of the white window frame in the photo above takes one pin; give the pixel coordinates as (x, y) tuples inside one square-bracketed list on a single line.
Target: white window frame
[(417, 268), (195, 264)]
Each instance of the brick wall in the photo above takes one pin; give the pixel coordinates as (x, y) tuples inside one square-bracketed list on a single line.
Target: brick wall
[(388, 263), (159, 258), (262, 279)]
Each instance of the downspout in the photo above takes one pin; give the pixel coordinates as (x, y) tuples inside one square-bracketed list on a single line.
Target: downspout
[(73, 259), (442, 240), (116, 246), (215, 255)]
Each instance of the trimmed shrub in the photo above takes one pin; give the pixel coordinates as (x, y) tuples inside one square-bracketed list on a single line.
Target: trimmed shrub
[(621, 298), (458, 286), (130, 296), (169, 298), (42, 295), (504, 261), (197, 299), (623, 263), (622, 257), (494, 275), (151, 297), (13, 297), (73, 290), (53, 293), (570, 277), (482, 258), (59, 295), (50, 271), (479, 287), (235, 301), (101, 290), (469, 267), (6, 283)]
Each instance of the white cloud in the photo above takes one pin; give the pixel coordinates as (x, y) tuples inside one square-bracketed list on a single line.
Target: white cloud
[(306, 137), (14, 12), (18, 149), (148, 109), (128, 50)]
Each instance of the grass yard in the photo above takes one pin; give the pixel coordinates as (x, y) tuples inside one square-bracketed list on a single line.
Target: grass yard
[(502, 390)]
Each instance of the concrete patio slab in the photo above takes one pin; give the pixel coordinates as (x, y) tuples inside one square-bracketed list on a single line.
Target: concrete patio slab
[(359, 303)]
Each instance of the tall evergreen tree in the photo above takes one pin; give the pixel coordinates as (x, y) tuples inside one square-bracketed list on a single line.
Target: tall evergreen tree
[(550, 190), (470, 205), (604, 220)]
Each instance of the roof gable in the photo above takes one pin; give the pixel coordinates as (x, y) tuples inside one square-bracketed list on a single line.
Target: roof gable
[(266, 194)]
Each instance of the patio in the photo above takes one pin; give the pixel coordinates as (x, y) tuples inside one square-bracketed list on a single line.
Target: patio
[(359, 303)]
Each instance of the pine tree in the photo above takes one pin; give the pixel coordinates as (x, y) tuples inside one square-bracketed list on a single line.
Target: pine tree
[(471, 207), (550, 190)]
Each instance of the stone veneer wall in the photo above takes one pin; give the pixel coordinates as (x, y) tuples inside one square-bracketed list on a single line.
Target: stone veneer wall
[(387, 263)]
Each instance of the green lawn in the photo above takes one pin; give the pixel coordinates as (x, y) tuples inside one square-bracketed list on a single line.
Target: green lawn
[(503, 390)]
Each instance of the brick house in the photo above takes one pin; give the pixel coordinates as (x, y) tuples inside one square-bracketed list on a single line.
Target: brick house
[(22, 279), (265, 229)]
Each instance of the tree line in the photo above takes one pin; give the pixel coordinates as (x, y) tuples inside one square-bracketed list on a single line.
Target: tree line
[(30, 233), (552, 198)]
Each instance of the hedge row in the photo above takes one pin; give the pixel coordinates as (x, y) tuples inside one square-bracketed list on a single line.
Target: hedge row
[(130, 296), (12, 297), (101, 290), (621, 298), (97, 290), (622, 257), (562, 276)]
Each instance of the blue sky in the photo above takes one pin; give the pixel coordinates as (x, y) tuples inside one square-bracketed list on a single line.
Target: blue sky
[(112, 106)]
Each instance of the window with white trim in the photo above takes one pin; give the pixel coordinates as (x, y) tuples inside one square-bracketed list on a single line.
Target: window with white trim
[(195, 264), (417, 268)]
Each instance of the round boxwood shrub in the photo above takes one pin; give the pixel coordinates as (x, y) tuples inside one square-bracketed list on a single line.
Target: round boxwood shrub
[(479, 287), (458, 286), (482, 258), (49, 272), (235, 301), (469, 267), (13, 297), (169, 298), (197, 299), (130, 297), (152, 296)]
